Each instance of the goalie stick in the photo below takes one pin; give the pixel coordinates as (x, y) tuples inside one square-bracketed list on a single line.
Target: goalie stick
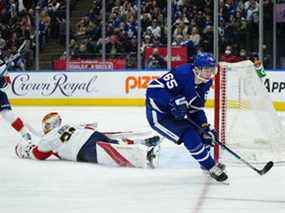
[(128, 133), (263, 171), (111, 134)]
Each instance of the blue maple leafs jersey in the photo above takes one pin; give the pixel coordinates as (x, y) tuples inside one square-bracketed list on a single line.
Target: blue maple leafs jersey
[(180, 82)]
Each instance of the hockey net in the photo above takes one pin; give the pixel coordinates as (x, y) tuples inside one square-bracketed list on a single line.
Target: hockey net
[(245, 116)]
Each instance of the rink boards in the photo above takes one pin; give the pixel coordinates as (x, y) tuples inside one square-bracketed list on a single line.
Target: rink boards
[(105, 88)]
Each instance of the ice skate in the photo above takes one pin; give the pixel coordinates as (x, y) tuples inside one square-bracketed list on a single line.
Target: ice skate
[(152, 141), (218, 173), (220, 165), (153, 156)]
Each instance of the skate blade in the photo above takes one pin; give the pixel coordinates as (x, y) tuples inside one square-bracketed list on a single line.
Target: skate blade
[(215, 182), (212, 181)]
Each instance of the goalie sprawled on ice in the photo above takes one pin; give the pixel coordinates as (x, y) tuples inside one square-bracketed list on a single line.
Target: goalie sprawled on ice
[(83, 143)]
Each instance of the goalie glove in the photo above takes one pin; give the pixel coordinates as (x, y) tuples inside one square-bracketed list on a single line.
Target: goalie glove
[(178, 107), (209, 135)]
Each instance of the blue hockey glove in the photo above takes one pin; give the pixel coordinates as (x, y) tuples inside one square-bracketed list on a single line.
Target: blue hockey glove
[(178, 107), (209, 136)]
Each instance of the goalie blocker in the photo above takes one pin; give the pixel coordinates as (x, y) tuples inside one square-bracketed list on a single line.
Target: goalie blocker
[(83, 143)]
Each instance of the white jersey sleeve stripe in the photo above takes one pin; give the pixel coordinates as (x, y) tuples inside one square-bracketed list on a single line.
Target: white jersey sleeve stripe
[(155, 84), (162, 128), (154, 106), (204, 158)]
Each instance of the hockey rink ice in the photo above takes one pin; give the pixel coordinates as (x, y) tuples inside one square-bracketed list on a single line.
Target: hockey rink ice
[(176, 186)]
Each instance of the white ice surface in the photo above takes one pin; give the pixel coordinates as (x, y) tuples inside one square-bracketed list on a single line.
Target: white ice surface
[(177, 186)]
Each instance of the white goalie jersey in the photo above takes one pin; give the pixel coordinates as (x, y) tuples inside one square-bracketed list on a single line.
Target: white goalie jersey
[(65, 142), (84, 143)]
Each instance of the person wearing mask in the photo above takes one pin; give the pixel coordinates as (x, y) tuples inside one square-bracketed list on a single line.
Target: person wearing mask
[(156, 61), (228, 56)]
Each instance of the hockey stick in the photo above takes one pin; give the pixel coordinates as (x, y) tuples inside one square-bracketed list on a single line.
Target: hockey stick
[(263, 171), (4, 67), (19, 52)]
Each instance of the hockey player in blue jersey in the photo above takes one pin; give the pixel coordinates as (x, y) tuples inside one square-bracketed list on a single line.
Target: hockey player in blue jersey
[(179, 95)]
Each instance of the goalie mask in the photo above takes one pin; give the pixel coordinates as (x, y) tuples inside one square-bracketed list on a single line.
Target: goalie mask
[(205, 67), (51, 121)]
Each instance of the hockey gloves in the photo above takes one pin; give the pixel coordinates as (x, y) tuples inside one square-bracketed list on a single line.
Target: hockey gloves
[(4, 81), (178, 107), (209, 136)]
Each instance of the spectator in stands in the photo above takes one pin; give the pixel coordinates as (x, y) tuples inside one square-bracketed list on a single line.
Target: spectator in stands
[(146, 43), (155, 61), (25, 23), (181, 28), (228, 56), (182, 19), (155, 29), (195, 37), (267, 57), (54, 5), (243, 55), (113, 46), (250, 5), (251, 13), (92, 46), (73, 47), (81, 51), (207, 39), (146, 20), (156, 42), (179, 41), (239, 26)]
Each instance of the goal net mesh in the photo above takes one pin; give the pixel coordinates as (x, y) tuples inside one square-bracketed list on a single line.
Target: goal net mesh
[(248, 122)]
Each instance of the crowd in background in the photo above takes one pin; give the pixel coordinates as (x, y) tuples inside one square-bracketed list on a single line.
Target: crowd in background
[(192, 26), (18, 24)]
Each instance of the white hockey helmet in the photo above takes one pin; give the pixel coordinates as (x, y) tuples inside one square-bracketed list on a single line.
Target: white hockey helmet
[(51, 121)]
